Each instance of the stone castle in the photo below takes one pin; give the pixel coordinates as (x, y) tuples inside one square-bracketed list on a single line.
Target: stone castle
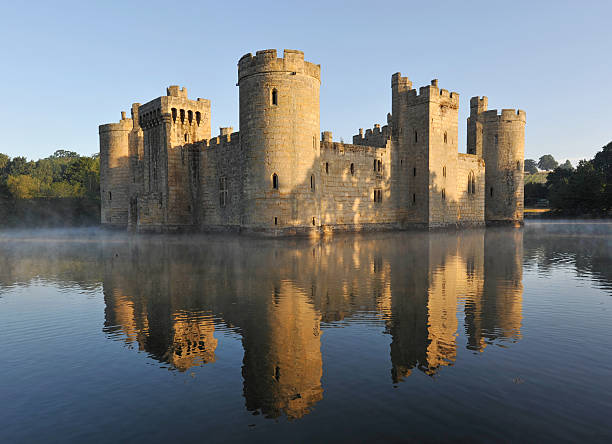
[(161, 169)]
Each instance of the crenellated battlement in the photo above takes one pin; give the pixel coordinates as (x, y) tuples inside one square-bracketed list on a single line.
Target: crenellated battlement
[(176, 91), (400, 83), (266, 60), (223, 140), (432, 93), (125, 124), (478, 105), (506, 115), (376, 136)]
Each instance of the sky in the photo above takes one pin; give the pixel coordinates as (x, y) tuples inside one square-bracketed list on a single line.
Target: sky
[(71, 66)]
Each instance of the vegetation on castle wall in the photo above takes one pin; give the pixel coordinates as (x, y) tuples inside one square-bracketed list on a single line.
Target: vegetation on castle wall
[(62, 189)]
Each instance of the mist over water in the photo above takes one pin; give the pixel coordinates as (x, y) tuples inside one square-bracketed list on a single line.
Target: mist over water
[(473, 335)]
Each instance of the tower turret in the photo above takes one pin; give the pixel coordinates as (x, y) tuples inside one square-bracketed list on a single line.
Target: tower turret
[(503, 148), (115, 172), (279, 133)]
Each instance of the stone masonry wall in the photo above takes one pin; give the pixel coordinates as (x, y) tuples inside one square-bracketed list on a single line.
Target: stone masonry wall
[(350, 175), (470, 206)]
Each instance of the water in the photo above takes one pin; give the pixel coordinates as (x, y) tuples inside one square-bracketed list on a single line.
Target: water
[(481, 335)]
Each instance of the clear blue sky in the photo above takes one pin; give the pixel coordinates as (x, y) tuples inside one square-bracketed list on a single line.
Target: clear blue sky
[(70, 66)]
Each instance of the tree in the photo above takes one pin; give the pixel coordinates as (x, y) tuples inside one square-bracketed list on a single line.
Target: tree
[(23, 186), (567, 165), (63, 154), (531, 167), (547, 162)]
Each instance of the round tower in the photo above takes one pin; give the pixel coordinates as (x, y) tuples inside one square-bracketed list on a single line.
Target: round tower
[(115, 172), (279, 135), (504, 155)]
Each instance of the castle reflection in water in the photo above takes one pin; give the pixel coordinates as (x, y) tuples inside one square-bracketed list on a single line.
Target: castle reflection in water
[(167, 296)]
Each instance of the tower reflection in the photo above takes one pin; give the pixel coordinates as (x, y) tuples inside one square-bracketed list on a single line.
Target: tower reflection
[(167, 297)]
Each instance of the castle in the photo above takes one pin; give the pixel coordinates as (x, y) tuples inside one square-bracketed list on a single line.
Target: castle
[(161, 169)]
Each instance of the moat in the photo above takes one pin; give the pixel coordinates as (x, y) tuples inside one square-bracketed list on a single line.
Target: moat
[(495, 334)]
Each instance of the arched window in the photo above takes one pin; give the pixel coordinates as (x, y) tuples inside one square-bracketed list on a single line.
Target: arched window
[(352, 169), (198, 117), (326, 168), (275, 182), (186, 137), (182, 116), (190, 116), (443, 194), (174, 115), (314, 221), (312, 183), (416, 137), (445, 137), (443, 171), (274, 97), (471, 183)]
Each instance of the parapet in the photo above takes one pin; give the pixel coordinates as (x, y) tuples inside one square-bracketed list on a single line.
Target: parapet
[(400, 83), (176, 91), (266, 61), (125, 124), (506, 115), (478, 105), (326, 136), (375, 136), (433, 93), (225, 139)]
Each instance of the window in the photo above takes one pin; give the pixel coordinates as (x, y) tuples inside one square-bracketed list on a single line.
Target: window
[(314, 221), (352, 169), (471, 183), (198, 117), (186, 137), (416, 137), (491, 192), (110, 196), (377, 195), (374, 164), (222, 191), (182, 116), (275, 181), (190, 116), (275, 220), (445, 137), (314, 142), (379, 165), (496, 139), (443, 171), (312, 183), (414, 198), (326, 168), (443, 194), (174, 115), (414, 171), (518, 165), (274, 97)]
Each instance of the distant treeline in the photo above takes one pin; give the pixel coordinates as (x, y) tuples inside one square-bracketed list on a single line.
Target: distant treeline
[(581, 190), (62, 189)]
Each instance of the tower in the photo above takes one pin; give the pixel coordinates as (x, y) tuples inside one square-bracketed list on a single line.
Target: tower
[(170, 124), (279, 134), (425, 132), (115, 172), (500, 139)]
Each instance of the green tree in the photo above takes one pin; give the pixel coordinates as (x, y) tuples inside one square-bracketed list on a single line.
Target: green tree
[(63, 154), (567, 165), (603, 164), (547, 162), (23, 186), (531, 167)]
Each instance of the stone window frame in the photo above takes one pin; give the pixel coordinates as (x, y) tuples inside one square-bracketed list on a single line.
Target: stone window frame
[(312, 183), (352, 169), (443, 193), (326, 167), (445, 137), (274, 97), (377, 195), (275, 181), (444, 171), (471, 183), (223, 192)]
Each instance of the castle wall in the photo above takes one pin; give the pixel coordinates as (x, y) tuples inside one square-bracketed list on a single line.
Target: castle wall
[(222, 174), (470, 205), (115, 172), (348, 199)]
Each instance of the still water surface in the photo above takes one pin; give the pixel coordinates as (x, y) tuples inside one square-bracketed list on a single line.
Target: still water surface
[(481, 335)]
